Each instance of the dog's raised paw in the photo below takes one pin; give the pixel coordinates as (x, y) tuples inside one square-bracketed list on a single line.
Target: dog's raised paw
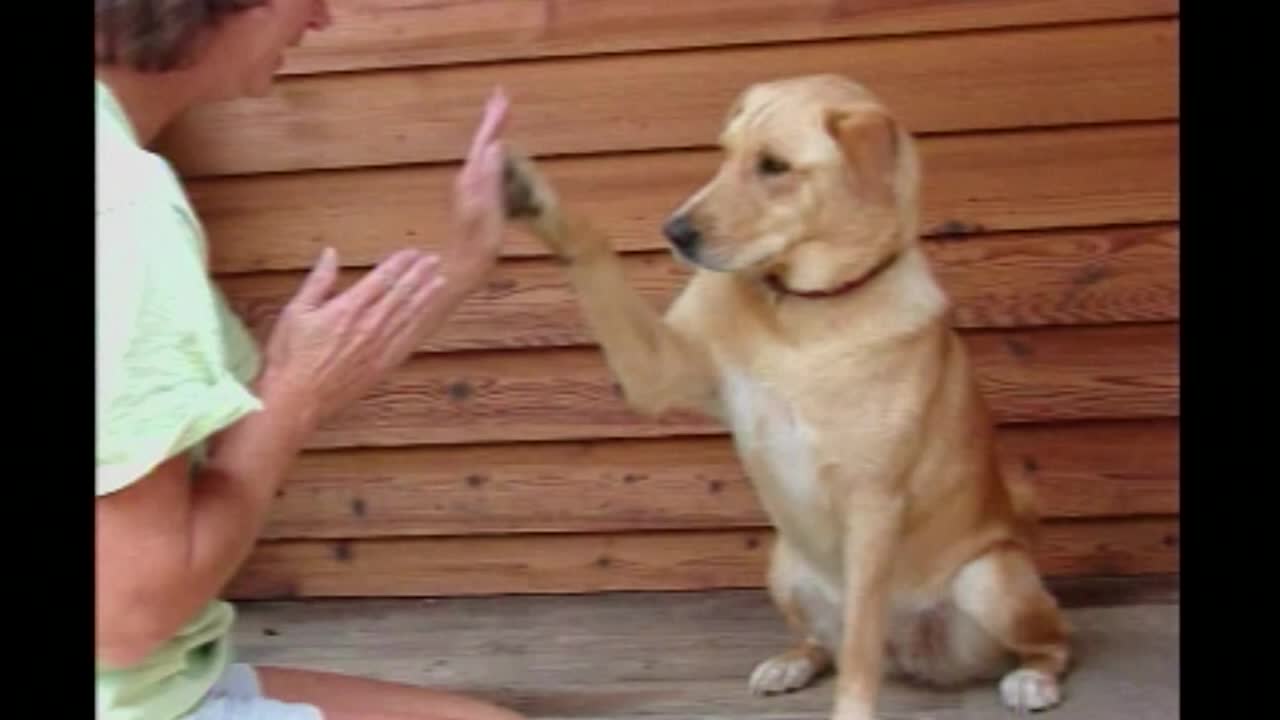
[(525, 194), (783, 673), (1027, 690)]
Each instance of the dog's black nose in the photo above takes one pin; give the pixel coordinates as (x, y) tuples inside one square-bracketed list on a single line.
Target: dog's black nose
[(681, 232)]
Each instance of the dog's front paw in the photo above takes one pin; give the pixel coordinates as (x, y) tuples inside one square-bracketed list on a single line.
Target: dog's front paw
[(528, 196), (782, 673), (1026, 690)]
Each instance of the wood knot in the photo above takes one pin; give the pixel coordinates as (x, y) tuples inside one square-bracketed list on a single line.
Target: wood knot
[(342, 550), (1089, 275), (1020, 348), (476, 481), (358, 507), (956, 229), (460, 390)]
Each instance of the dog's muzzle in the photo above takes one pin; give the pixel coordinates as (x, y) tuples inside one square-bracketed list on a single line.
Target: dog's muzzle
[(682, 234)]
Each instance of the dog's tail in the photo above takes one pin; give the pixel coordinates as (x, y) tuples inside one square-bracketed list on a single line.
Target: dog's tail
[(1026, 501), (1026, 506)]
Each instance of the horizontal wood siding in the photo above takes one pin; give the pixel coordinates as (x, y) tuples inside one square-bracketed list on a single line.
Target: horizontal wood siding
[(1024, 77), (500, 459), (972, 183), (596, 562), (1094, 469)]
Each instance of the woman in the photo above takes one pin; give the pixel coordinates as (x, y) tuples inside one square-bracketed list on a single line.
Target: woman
[(195, 429)]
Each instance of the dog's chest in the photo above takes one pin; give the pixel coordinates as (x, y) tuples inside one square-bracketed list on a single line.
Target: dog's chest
[(780, 452)]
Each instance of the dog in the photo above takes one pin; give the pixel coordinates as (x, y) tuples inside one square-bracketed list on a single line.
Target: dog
[(815, 330)]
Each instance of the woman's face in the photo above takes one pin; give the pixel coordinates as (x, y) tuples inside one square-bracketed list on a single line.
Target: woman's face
[(247, 48)]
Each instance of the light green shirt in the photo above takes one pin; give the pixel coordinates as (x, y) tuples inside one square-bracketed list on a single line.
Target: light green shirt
[(172, 366)]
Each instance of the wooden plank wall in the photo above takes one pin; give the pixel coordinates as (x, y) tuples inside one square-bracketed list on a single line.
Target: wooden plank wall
[(500, 459)]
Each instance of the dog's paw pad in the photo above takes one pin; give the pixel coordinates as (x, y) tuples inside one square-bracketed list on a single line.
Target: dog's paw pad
[(782, 673), (525, 193), (1026, 690)]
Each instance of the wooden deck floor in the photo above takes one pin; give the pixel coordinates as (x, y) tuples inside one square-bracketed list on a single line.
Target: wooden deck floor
[(680, 655)]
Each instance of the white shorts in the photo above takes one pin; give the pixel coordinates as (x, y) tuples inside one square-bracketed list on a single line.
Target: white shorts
[(237, 695)]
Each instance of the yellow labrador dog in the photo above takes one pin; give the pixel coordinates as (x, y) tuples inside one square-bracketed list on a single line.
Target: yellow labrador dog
[(815, 330)]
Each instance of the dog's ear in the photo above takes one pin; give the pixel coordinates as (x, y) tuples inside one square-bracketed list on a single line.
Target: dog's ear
[(739, 104), (868, 137), (735, 110)]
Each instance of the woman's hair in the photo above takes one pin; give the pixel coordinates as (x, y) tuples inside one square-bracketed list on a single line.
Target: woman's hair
[(155, 35)]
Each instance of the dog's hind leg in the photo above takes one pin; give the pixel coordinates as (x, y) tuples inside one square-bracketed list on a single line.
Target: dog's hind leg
[(811, 608), (1002, 591)]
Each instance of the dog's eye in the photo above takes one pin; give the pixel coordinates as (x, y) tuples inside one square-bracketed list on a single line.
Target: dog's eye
[(770, 165)]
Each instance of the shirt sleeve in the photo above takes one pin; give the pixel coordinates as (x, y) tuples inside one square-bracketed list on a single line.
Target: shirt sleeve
[(165, 382)]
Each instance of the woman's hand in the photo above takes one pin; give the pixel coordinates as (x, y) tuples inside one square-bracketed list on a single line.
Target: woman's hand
[(325, 353), (478, 214), (167, 544)]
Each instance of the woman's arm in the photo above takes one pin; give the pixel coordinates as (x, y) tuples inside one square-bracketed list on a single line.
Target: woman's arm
[(168, 543)]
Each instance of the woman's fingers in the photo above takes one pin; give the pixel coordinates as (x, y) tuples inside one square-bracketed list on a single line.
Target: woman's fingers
[(315, 289), (395, 307), (487, 197), (484, 141), (406, 325), (376, 283), (491, 124)]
